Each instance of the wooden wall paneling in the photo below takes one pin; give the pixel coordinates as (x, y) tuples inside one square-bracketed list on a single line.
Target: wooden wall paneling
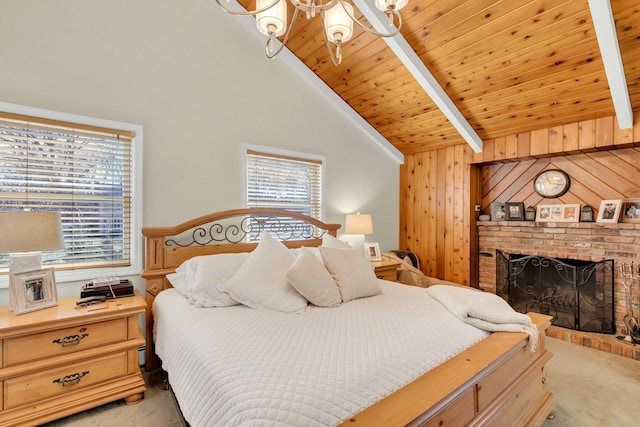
[(604, 132), (475, 190), (497, 184), (511, 146), (445, 266), (622, 137), (521, 189), (410, 198), (499, 149), (556, 135), (620, 174), (403, 216), (570, 138), (524, 145), (460, 199), (586, 135), (539, 142), (431, 245), (421, 201), (636, 126), (488, 150)]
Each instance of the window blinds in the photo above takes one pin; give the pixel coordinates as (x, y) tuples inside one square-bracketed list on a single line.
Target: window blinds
[(84, 172), (284, 182)]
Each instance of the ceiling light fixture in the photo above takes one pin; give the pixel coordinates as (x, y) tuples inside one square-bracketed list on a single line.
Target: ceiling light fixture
[(336, 15)]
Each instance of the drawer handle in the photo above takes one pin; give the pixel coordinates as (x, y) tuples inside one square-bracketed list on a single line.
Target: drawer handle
[(380, 277), (70, 380), (70, 341)]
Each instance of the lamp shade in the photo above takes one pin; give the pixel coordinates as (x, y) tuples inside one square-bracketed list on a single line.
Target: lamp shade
[(273, 20), (25, 231), (358, 224), (338, 24)]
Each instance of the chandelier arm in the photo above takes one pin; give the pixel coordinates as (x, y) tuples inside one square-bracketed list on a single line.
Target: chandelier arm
[(286, 36), (374, 32), (247, 12), (335, 61)]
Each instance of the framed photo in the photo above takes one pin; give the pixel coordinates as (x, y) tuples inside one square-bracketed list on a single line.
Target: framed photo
[(514, 211), (609, 211), (372, 250), (33, 290), (630, 210), (498, 212), (558, 213)]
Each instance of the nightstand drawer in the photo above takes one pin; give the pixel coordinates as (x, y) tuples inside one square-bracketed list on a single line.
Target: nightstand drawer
[(27, 348), (390, 275), (53, 382)]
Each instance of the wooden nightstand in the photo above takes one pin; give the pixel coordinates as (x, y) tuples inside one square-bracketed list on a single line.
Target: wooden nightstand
[(62, 360), (386, 270)]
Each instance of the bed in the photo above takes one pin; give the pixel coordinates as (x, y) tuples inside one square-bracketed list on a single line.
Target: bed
[(404, 359)]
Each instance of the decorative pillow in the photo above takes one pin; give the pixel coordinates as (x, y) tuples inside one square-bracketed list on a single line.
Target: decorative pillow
[(211, 272), (261, 283), (352, 271), (311, 279), (328, 241)]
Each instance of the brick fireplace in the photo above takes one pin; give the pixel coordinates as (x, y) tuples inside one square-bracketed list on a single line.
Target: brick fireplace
[(587, 241)]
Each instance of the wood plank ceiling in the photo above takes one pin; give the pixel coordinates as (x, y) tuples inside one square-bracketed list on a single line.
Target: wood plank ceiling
[(508, 65)]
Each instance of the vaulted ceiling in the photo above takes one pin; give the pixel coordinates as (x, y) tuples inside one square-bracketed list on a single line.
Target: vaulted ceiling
[(508, 66)]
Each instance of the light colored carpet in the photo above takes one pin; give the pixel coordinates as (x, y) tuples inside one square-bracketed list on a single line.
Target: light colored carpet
[(591, 388)]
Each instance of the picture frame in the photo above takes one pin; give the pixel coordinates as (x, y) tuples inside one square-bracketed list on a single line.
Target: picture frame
[(630, 210), (514, 211), (558, 213), (609, 211), (372, 251), (33, 290), (498, 212)]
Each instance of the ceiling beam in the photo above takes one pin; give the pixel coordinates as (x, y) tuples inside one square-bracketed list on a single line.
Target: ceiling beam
[(421, 73), (605, 27)]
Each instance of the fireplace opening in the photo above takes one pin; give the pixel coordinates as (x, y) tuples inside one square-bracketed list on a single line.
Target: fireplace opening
[(578, 294)]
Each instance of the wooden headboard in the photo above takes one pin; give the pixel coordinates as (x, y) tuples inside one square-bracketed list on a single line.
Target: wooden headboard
[(221, 232)]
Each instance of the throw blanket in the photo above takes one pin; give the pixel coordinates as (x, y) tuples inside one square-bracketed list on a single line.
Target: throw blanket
[(484, 310)]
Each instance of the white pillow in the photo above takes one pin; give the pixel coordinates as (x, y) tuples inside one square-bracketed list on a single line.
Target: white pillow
[(261, 283), (352, 271), (311, 279), (211, 272), (182, 279), (329, 241)]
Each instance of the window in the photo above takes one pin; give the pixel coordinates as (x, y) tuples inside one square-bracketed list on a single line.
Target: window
[(284, 180), (83, 170)]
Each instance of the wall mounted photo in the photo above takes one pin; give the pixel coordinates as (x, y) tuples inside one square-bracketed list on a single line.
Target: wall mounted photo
[(514, 211), (630, 210), (609, 211), (498, 212), (33, 290), (372, 250), (558, 213)]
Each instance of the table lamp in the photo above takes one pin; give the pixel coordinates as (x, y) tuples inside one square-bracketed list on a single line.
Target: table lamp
[(358, 225), (24, 234)]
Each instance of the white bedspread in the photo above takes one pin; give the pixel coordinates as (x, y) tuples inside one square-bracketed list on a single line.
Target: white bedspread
[(236, 366)]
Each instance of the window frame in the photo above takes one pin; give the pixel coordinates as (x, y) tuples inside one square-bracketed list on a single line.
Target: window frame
[(246, 148), (135, 266)]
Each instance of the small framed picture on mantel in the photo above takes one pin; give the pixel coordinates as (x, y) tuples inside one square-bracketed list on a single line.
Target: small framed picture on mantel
[(514, 211), (609, 211)]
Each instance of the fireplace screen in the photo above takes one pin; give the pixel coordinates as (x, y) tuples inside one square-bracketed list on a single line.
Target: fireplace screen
[(578, 294)]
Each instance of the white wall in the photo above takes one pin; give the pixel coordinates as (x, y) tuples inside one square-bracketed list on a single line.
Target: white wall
[(200, 86)]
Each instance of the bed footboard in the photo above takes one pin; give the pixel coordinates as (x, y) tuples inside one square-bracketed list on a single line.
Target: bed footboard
[(497, 382)]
